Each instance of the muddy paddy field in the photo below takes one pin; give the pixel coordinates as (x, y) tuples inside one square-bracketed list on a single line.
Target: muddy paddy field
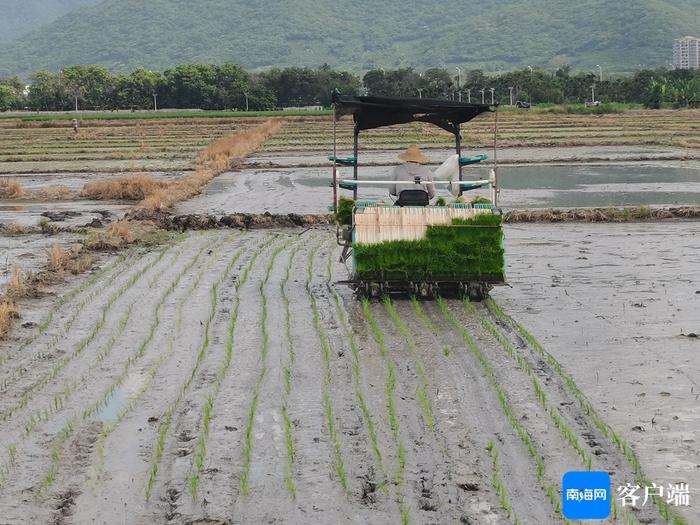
[(227, 376)]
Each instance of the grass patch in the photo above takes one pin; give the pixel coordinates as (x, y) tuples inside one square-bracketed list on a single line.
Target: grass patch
[(468, 249)]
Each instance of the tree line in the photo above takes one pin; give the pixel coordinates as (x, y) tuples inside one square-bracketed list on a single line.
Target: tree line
[(229, 86)]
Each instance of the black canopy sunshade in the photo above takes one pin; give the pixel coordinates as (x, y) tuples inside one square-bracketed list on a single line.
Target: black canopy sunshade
[(375, 112)]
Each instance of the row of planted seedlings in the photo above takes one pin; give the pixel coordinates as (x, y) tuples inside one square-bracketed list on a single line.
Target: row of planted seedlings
[(399, 474), (200, 452), (288, 374), (550, 489), (167, 417), (664, 510), (94, 408), (59, 400), (335, 440), (560, 423), (85, 293), (358, 386)]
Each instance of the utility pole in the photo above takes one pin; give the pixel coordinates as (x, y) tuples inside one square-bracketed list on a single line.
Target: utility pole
[(492, 91), (469, 96), (600, 71), (76, 103), (155, 101), (482, 95), (459, 82), (593, 93), (246, 101), (511, 94)]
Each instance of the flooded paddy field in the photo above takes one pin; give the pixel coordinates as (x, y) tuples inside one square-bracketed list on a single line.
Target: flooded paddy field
[(308, 190), (226, 377)]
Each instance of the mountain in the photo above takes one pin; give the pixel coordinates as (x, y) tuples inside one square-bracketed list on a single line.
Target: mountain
[(359, 34), (22, 16)]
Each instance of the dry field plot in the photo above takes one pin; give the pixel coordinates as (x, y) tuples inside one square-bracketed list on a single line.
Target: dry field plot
[(109, 146), (660, 128), (225, 378)]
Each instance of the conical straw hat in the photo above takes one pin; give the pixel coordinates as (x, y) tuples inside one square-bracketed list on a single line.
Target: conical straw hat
[(414, 154)]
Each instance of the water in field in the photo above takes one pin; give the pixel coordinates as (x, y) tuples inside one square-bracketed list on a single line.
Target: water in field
[(308, 190)]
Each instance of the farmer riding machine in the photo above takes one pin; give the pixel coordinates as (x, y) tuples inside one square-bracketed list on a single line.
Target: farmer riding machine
[(409, 246)]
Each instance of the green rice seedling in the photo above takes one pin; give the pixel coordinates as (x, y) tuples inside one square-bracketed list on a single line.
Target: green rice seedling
[(167, 418), (399, 474), (553, 412), (265, 348), (327, 377), (598, 422), (522, 433), (426, 320), (90, 411), (357, 383), (421, 391), (29, 393), (498, 483), (470, 248), (291, 358)]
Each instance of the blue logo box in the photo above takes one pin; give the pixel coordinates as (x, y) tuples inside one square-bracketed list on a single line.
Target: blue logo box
[(586, 495)]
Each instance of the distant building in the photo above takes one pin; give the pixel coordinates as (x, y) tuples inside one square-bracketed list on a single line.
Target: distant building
[(686, 53)]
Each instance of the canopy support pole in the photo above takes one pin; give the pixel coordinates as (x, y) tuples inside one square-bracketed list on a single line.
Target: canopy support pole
[(494, 189), (335, 164), (458, 147), (354, 154)]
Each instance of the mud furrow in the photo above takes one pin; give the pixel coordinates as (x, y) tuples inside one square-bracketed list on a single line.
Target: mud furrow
[(525, 436), (264, 351), (468, 415), (90, 285), (51, 375), (67, 431), (288, 373), (428, 469), (331, 424), (379, 480), (583, 425), (166, 419), (399, 474), (185, 334)]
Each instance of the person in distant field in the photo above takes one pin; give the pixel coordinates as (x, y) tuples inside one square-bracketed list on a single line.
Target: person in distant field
[(412, 167), (76, 125)]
